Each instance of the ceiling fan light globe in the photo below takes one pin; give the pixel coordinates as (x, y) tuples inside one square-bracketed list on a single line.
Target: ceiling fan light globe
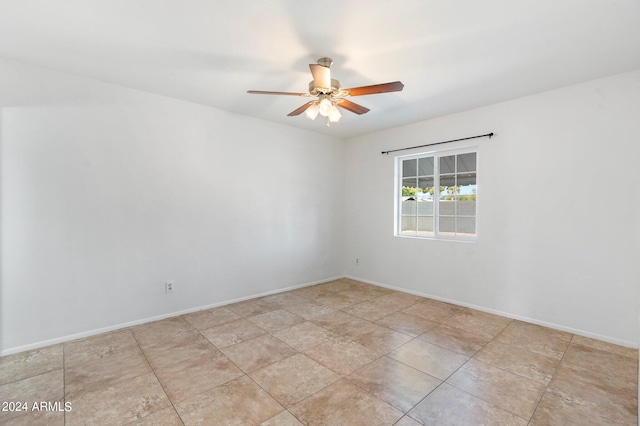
[(335, 115), (312, 111), (325, 107)]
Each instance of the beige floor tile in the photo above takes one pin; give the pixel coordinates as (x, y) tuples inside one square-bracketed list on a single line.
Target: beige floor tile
[(488, 317), (431, 359), (239, 402), (157, 332), (535, 338), (309, 309), (342, 356), (394, 301), (373, 309), (100, 346), (405, 323), (576, 383), (399, 298), (379, 339), (293, 379), (482, 324), (251, 307), (508, 391), (164, 417), (407, 421), (338, 300), (35, 418), (448, 405), (231, 333), (519, 361), (122, 403), (283, 300), (395, 383), (43, 387), (336, 286), (305, 335), (30, 363), (618, 366), (365, 292), (560, 409), (257, 353), (344, 403), (283, 419), (605, 346), (192, 376), (210, 318), (275, 320), (454, 339), (311, 292), (433, 310), (181, 348), (102, 372), (340, 322)]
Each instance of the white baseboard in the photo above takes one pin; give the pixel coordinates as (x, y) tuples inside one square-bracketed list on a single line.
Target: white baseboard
[(559, 327), (94, 332), (114, 327)]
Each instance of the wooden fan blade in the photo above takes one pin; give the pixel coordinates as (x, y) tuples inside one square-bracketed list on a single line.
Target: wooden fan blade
[(262, 92), (396, 86), (350, 106), (300, 110), (321, 76)]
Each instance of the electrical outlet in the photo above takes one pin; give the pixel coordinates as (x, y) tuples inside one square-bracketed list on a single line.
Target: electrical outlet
[(168, 286), (357, 261)]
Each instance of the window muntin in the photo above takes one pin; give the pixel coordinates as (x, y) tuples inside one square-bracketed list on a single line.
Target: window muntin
[(438, 195)]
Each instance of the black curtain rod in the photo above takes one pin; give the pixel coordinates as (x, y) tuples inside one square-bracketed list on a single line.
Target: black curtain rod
[(488, 135)]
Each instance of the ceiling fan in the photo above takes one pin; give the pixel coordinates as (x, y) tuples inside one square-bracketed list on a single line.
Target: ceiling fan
[(331, 95)]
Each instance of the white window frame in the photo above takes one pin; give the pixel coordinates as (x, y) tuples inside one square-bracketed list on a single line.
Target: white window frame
[(397, 219)]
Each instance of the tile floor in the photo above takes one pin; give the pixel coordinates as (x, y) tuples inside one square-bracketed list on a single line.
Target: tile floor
[(339, 353)]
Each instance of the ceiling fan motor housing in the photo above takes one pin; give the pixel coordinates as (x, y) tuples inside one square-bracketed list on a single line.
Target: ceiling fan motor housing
[(333, 90), (325, 62)]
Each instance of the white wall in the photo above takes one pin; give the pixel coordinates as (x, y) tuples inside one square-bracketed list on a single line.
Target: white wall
[(558, 211), (107, 192)]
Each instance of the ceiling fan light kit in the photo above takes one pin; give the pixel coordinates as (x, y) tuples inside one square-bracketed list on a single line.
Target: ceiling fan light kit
[(331, 95)]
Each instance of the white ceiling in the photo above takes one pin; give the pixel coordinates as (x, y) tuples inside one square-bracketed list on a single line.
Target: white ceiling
[(452, 55)]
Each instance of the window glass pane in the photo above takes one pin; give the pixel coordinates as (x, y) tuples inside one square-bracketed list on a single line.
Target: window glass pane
[(408, 225), (466, 206), (467, 194), (447, 225), (466, 225), (409, 167), (425, 166), (447, 187), (467, 162), (448, 164), (425, 206), (447, 207), (409, 207), (447, 181), (409, 187), (466, 179), (426, 186), (425, 226)]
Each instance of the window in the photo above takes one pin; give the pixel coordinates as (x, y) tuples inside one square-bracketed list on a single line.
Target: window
[(437, 195)]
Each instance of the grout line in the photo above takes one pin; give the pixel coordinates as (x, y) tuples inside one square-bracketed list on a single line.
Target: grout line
[(157, 378)]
